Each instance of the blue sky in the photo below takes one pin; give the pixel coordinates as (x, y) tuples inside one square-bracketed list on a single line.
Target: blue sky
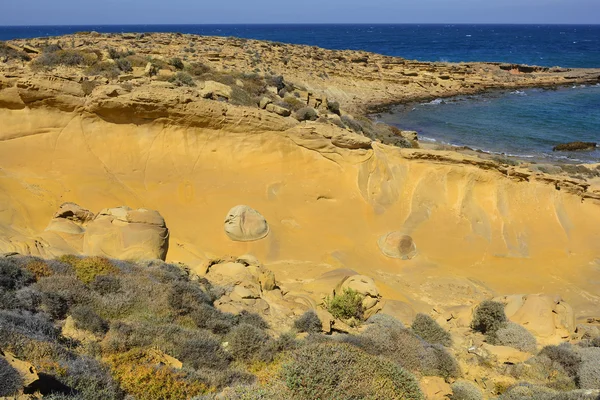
[(82, 12)]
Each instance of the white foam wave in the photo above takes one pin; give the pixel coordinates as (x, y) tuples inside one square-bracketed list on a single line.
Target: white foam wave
[(434, 102)]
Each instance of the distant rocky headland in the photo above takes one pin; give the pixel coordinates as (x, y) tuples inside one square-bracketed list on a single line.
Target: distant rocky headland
[(186, 216)]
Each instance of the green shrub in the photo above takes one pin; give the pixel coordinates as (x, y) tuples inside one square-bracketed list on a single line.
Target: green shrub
[(10, 379), (465, 390), (177, 63), (431, 331), (565, 355), (86, 318), (306, 114), (182, 79), (88, 268), (245, 341), (308, 322), (489, 316), (341, 371), (514, 335), (346, 305)]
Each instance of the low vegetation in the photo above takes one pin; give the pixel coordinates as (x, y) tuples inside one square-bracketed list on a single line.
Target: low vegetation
[(346, 305), (429, 330)]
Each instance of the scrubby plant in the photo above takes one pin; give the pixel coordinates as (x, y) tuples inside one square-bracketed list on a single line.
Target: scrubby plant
[(106, 284), (543, 370), (88, 268), (90, 379), (437, 361), (285, 342), (489, 316), (142, 376), (177, 63), (245, 341), (116, 54), (30, 325), (87, 319), (346, 305), (123, 64), (514, 335), (565, 355), (385, 321), (182, 79), (203, 351), (308, 322), (10, 380), (207, 317), (589, 370), (7, 53), (334, 370), (527, 391), (334, 107), (465, 390), (39, 268), (184, 297), (197, 69), (429, 330), (351, 123), (306, 114), (69, 58), (12, 277), (250, 318), (292, 103)]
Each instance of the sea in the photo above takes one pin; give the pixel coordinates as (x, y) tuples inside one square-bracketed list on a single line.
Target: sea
[(523, 123)]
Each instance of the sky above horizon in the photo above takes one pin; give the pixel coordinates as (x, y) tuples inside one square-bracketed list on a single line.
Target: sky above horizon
[(77, 12)]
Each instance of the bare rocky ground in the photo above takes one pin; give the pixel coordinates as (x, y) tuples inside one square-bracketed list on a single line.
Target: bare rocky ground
[(195, 127)]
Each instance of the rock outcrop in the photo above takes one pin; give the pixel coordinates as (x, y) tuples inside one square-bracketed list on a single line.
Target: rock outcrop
[(575, 146), (125, 233), (397, 245)]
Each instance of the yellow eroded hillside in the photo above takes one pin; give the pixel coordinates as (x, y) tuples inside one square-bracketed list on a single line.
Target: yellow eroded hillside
[(479, 229)]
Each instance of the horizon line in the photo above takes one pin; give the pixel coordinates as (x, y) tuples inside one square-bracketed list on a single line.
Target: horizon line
[(304, 23)]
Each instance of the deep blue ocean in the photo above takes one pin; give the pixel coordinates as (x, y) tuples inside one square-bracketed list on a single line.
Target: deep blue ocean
[(526, 123)]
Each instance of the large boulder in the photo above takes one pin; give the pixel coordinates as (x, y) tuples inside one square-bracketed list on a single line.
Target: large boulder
[(245, 224), (125, 233), (397, 245), (548, 317), (575, 146)]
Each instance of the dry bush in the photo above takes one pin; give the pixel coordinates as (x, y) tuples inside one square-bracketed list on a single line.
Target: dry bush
[(306, 114), (88, 268), (465, 390), (431, 331), (514, 335), (86, 318), (308, 322), (246, 341), (334, 370), (10, 379), (489, 316), (565, 355), (7, 54)]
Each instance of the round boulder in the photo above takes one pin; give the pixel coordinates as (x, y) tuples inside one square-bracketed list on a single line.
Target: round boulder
[(245, 224), (397, 245)]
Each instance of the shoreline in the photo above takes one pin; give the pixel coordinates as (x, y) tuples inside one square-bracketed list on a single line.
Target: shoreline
[(431, 142)]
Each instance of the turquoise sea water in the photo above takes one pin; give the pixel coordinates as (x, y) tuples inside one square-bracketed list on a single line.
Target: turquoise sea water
[(526, 123)]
